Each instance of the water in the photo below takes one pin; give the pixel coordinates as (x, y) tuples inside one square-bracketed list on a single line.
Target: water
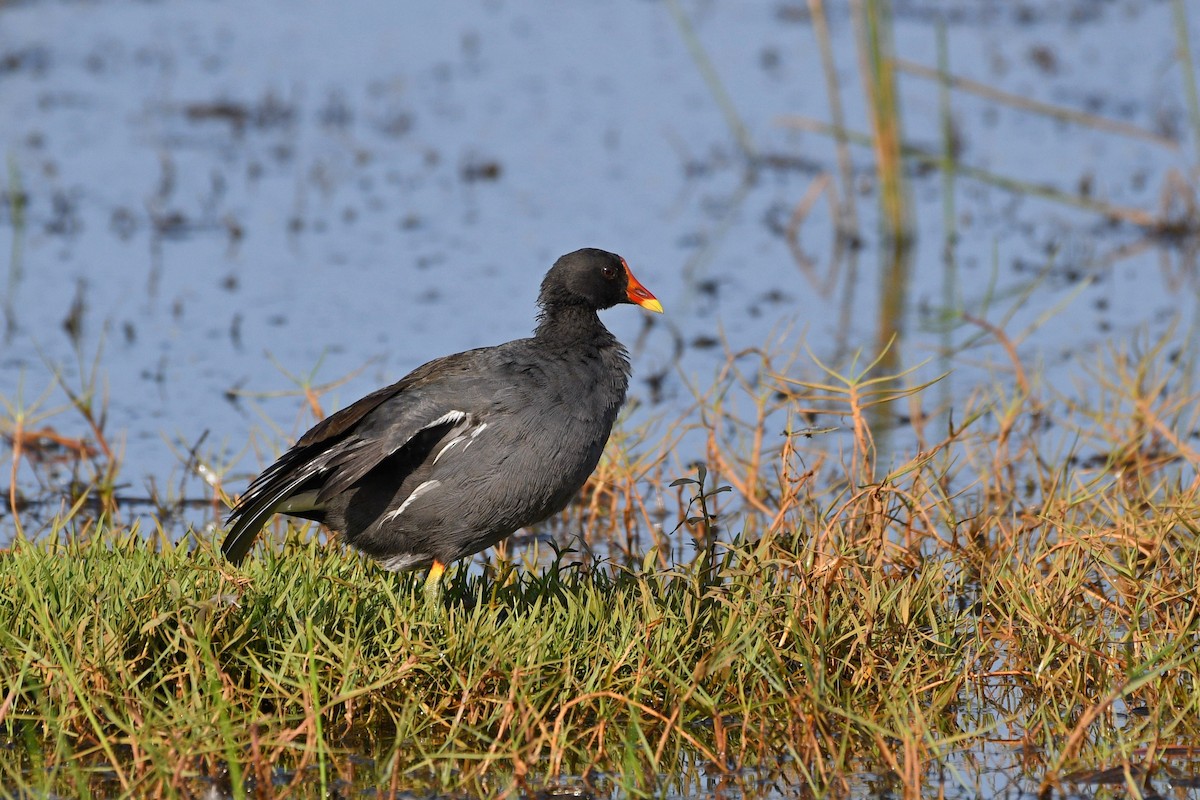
[(228, 193), (220, 195)]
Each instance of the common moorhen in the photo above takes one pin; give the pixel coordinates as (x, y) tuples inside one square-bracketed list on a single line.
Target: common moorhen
[(464, 450)]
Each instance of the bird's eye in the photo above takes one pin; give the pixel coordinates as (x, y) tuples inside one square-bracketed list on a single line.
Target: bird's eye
[(608, 271)]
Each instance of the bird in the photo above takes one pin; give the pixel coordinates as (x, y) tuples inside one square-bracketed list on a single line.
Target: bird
[(468, 448)]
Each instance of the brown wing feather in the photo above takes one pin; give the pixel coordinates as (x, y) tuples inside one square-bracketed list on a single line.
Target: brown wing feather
[(337, 424), (333, 447)]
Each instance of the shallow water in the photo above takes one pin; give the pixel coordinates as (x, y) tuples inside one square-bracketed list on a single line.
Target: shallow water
[(213, 196), (1000, 771)]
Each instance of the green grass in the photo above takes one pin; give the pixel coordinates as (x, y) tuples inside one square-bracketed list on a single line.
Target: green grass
[(164, 663), (1029, 578), (144, 658), (150, 668)]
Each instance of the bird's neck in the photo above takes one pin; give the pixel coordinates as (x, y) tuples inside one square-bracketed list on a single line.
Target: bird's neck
[(572, 325)]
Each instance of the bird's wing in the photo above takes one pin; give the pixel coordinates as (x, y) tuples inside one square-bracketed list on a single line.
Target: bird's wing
[(346, 446)]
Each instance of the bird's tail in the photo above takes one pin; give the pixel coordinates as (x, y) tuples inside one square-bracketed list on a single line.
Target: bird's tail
[(266, 495)]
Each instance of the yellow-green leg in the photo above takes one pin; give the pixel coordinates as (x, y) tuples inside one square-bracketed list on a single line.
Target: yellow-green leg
[(433, 585)]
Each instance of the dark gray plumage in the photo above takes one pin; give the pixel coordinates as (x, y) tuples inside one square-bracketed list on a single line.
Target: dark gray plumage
[(469, 448)]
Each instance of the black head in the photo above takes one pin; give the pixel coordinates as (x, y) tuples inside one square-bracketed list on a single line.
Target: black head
[(593, 279)]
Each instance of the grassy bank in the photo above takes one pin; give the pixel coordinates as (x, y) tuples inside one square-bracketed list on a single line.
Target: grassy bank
[(985, 593), (167, 664), (151, 670)]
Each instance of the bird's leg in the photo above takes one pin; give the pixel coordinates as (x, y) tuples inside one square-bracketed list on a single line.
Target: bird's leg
[(433, 585)]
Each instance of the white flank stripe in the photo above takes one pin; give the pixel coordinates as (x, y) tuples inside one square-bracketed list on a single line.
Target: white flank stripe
[(417, 492), (478, 430), (449, 416), (449, 444)]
